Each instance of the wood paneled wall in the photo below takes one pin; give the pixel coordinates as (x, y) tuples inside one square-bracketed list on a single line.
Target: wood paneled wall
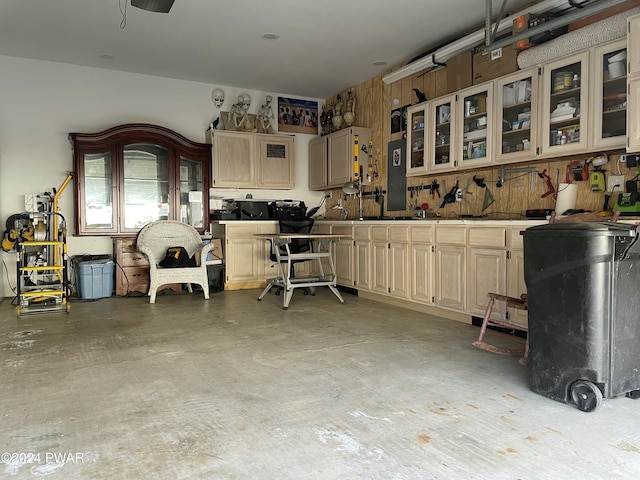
[(375, 101)]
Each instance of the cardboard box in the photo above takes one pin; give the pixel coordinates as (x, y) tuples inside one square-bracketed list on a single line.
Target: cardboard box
[(459, 72), (216, 253), (490, 65)]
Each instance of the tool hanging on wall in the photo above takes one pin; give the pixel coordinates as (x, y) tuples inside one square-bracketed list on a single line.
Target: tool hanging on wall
[(577, 171), (356, 164), (550, 188)]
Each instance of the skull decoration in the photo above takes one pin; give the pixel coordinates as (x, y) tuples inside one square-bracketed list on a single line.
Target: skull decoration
[(217, 97), (246, 101)]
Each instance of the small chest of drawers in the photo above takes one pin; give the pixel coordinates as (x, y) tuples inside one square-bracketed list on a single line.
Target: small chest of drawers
[(132, 267)]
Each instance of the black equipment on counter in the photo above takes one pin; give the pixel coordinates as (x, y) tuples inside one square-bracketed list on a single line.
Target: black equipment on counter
[(289, 209), (256, 209)]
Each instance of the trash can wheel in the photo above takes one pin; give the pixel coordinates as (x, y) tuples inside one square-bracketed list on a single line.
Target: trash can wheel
[(586, 396)]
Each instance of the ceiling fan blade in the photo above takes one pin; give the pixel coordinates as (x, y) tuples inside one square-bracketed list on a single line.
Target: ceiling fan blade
[(161, 6)]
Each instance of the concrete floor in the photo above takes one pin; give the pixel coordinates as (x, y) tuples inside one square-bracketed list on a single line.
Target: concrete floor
[(232, 388)]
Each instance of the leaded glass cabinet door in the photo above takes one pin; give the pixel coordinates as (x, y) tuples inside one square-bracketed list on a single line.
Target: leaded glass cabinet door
[(97, 212), (192, 192), (145, 181)]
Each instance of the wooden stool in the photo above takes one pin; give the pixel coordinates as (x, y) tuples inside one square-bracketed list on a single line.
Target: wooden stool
[(519, 303)]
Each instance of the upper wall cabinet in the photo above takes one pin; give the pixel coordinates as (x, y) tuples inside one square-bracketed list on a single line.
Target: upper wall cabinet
[(633, 87), (451, 132), (474, 146), (251, 160), (565, 105), (339, 158), (517, 116), (130, 175), (609, 112)]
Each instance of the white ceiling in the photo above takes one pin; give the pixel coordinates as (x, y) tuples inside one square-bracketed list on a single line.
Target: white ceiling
[(324, 46)]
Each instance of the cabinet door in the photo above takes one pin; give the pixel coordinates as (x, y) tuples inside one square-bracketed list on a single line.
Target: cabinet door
[(275, 165), (487, 273), (97, 191), (516, 286), (399, 269), (633, 109), (416, 140), (609, 111), (441, 134), (233, 159), (343, 256), (633, 45), (565, 106), (241, 262), (362, 266), (379, 267), (422, 272), (451, 273), (361, 257), (475, 110), (318, 163), (517, 116), (340, 158)]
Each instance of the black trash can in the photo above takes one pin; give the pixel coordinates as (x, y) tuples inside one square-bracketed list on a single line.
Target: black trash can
[(583, 285)]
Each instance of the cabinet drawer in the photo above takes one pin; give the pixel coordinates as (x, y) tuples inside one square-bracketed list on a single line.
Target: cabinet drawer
[(379, 234), (342, 230), (361, 233), (451, 235), (421, 234), (136, 259), (399, 234), (126, 245), (515, 239), (487, 237), (134, 276)]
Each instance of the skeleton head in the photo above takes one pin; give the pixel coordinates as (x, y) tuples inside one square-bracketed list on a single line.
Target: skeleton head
[(217, 97), (246, 101), (269, 99)]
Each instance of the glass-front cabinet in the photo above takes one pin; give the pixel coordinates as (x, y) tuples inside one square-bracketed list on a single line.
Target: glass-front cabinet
[(416, 136), (474, 145), (565, 105), (442, 116), (517, 116), (610, 100), (130, 175), (633, 81)]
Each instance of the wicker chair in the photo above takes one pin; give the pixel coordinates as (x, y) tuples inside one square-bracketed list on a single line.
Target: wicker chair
[(155, 238)]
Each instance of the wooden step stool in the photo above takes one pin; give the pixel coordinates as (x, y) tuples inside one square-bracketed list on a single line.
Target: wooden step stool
[(519, 303)]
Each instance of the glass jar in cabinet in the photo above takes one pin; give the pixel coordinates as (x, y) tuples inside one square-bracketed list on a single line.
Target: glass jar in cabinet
[(517, 116), (416, 164), (474, 147), (610, 99), (565, 105), (439, 152)]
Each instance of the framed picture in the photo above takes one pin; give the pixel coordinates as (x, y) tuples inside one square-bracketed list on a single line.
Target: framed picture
[(297, 116)]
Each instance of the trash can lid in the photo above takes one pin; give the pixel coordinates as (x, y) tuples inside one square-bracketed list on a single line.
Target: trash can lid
[(582, 229)]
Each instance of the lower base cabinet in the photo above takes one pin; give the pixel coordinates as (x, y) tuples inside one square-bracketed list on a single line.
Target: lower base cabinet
[(450, 268)]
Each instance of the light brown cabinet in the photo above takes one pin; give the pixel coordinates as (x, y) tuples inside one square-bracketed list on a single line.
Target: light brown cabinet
[(247, 262), (332, 158), (422, 253), (252, 160), (132, 268), (451, 267)]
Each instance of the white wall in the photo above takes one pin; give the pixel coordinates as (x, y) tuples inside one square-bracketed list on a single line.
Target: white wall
[(42, 102)]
